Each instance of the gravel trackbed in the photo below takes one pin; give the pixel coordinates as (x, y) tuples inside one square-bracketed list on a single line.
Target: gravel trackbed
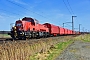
[(77, 51)]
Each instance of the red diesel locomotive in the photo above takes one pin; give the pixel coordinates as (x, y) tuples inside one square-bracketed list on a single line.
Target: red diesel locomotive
[(31, 28), (28, 28)]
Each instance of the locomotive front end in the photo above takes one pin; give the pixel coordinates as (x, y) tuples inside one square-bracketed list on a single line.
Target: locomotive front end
[(17, 30)]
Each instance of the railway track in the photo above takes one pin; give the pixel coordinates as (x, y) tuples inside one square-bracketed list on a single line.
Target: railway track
[(10, 40)]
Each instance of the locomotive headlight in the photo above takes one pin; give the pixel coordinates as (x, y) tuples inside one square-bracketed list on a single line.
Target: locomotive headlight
[(15, 31), (14, 27)]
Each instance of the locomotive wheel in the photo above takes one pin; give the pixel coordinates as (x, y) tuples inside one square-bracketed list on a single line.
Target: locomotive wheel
[(23, 38), (45, 34), (13, 37), (37, 35)]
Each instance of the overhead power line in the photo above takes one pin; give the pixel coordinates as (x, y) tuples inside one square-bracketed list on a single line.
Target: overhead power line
[(26, 8), (17, 10), (70, 7), (5, 15), (67, 7), (10, 12)]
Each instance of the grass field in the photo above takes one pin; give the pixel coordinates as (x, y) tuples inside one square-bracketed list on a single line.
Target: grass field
[(79, 50), (25, 51), (47, 49), (54, 50), (85, 38), (60, 47), (4, 36)]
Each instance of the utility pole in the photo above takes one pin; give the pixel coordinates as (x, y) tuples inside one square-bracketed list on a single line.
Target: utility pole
[(66, 23), (73, 24), (63, 25), (79, 27)]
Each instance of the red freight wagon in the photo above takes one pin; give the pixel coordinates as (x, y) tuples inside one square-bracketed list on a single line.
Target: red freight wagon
[(53, 30), (69, 32), (65, 31), (74, 32), (43, 28), (61, 31)]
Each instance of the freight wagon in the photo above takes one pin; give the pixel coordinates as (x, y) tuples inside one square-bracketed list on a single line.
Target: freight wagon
[(53, 29), (31, 28)]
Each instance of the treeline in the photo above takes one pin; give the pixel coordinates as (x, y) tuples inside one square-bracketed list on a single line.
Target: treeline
[(4, 32), (85, 32)]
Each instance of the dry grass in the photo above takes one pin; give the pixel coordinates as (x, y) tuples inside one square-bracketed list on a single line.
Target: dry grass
[(22, 51), (53, 50), (85, 37)]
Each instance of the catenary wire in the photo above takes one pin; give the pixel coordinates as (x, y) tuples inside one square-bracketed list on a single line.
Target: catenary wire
[(70, 7), (67, 7), (27, 9)]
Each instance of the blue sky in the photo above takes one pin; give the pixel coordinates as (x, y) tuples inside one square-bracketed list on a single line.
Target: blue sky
[(52, 11)]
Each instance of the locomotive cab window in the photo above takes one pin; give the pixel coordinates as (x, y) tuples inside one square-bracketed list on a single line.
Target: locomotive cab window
[(18, 24), (31, 20)]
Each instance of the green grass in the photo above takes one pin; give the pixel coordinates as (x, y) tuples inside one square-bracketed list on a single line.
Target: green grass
[(53, 52), (4, 35), (59, 48)]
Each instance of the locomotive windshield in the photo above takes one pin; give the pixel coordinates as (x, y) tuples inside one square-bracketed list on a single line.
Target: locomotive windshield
[(18, 24), (30, 20)]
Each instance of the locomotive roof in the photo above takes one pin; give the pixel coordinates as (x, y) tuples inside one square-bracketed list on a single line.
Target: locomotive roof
[(27, 18), (30, 18)]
